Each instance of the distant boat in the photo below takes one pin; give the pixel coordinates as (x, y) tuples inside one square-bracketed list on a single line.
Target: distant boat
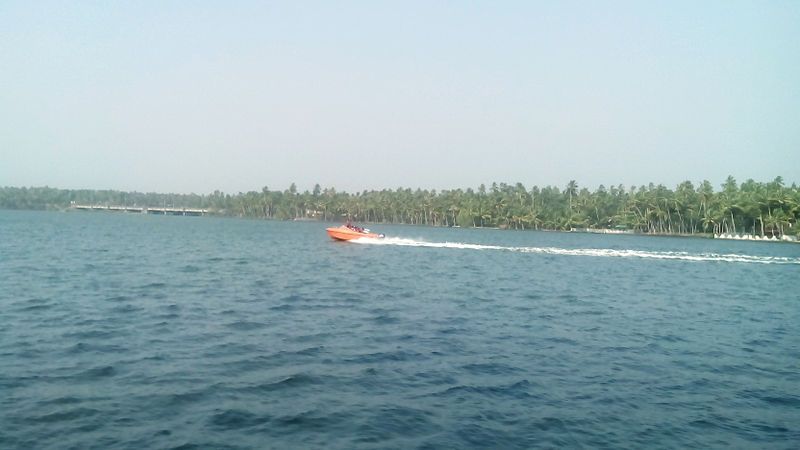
[(349, 232)]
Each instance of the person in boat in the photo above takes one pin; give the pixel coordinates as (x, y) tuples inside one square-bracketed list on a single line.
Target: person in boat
[(353, 227)]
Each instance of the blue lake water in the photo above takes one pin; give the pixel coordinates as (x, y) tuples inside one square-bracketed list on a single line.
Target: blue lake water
[(136, 331)]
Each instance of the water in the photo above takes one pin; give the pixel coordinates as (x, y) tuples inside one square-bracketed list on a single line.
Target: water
[(135, 331)]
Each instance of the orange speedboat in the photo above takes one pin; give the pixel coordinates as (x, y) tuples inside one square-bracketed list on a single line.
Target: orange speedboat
[(349, 232)]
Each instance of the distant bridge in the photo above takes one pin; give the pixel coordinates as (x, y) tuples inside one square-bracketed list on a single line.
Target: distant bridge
[(143, 210)]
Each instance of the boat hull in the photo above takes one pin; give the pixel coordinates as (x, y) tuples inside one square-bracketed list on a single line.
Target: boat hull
[(347, 234)]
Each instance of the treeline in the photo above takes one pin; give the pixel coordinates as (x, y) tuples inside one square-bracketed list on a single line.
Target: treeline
[(765, 209)]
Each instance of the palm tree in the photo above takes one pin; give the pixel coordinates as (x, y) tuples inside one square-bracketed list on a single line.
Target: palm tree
[(571, 190)]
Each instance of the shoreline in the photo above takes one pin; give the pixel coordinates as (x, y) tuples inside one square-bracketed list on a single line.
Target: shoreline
[(603, 231)]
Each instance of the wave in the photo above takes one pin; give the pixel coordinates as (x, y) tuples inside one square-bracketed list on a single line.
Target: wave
[(599, 252)]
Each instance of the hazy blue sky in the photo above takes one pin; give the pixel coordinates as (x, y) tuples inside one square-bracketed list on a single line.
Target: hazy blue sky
[(197, 96)]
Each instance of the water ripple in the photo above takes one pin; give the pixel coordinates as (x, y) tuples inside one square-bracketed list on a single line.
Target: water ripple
[(170, 332)]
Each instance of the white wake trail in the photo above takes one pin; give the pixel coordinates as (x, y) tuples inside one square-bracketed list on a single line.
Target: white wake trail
[(599, 252)]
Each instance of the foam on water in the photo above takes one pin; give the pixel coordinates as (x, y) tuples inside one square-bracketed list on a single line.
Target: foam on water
[(600, 252)]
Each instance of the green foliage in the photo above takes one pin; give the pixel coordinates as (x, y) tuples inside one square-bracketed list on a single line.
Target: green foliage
[(465, 218), (766, 209)]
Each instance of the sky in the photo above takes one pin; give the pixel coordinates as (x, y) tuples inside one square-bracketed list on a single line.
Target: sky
[(199, 96)]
